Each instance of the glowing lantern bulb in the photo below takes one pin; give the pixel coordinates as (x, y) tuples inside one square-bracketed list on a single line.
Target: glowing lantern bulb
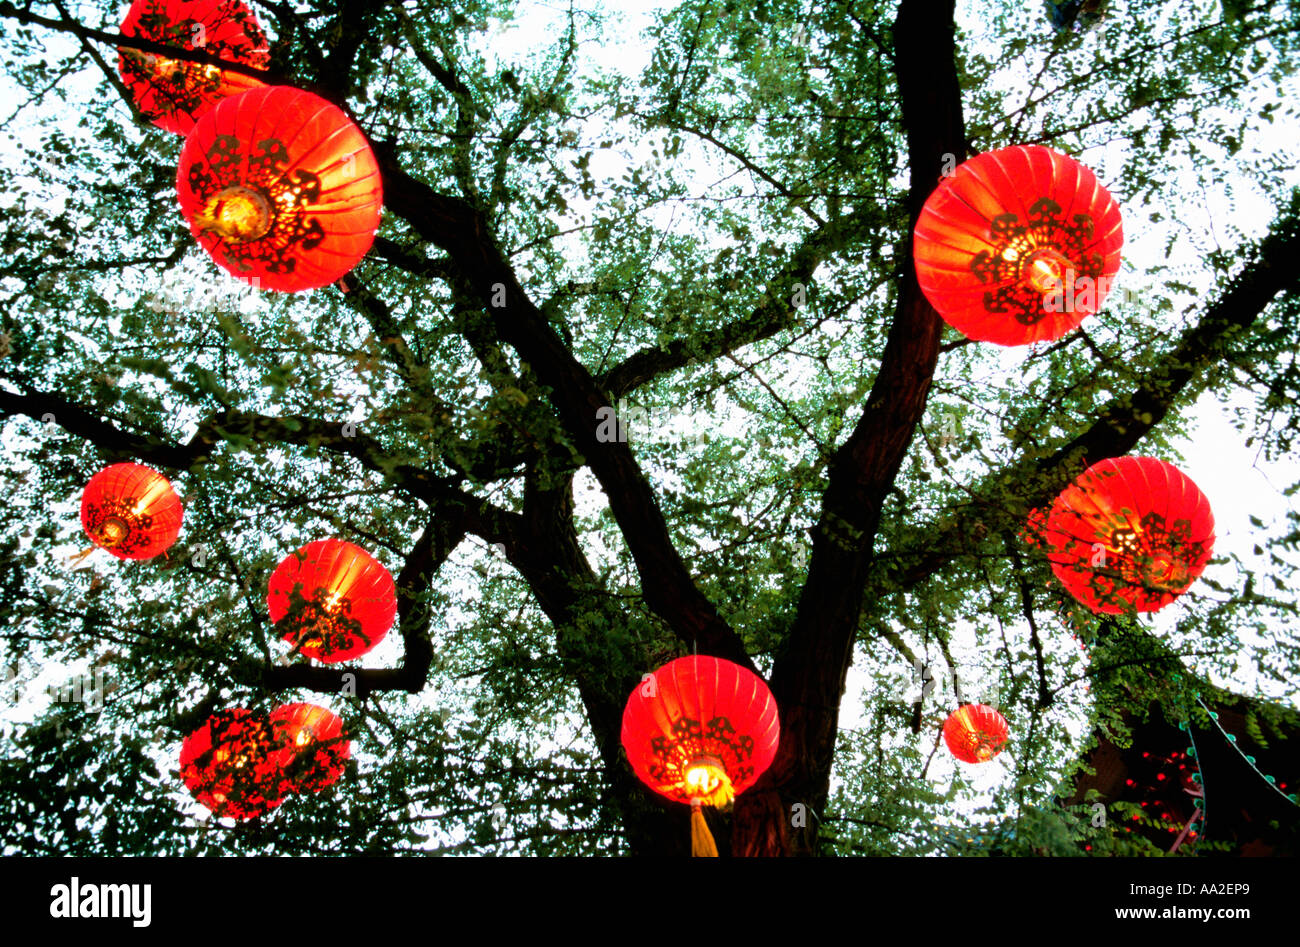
[(132, 511), (1129, 533), (701, 730), (706, 780), (1004, 242), (237, 214), (333, 600)]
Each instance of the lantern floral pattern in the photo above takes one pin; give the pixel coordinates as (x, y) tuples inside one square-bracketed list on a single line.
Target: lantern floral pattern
[(1129, 533), (332, 600), (281, 188), (132, 511), (1018, 245), (700, 729), (175, 93)]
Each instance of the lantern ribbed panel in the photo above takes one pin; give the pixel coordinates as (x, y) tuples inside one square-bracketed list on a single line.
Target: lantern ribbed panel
[(696, 707), (351, 600), (209, 765), (1130, 532), (142, 501), (307, 162), (979, 228), (312, 750), (174, 93), (975, 733)]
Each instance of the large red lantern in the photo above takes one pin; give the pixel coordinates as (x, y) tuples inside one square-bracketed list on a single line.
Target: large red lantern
[(1129, 533), (1017, 245), (312, 749), (230, 766), (332, 600), (700, 730), (975, 733), (132, 511), (281, 188), (174, 93)]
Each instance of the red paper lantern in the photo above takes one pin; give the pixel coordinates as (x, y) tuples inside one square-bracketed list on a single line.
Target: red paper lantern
[(230, 766), (174, 93), (700, 729), (281, 188), (1017, 245), (132, 511), (1132, 532), (975, 733), (333, 599), (312, 750)]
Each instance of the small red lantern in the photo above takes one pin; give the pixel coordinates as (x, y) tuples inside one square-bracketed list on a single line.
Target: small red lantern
[(281, 188), (229, 765), (975, 733), (332, 599), (700, 730), (1017, 245), (1133, 532), (132, 511), (174, 93), (313, 750)]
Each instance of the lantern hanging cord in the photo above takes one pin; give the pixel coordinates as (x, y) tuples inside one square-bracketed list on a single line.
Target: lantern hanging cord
[(1250, 760), (80, 557)]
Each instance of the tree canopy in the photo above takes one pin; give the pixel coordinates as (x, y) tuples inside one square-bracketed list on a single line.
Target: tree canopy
[(702, 231)]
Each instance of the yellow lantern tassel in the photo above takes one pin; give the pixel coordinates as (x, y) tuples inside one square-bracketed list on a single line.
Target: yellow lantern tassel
[(702, 844)]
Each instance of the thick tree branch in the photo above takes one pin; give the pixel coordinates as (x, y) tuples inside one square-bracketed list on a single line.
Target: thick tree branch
[(85, 34), (597, 640), (808, 678), (243, 429), (115, 442), (407, 260), (462, 231), (349, 27)]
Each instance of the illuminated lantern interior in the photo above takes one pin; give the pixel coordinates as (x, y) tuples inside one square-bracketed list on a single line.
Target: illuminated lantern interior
[(313, 750), (975, 733), (1130, 533), (700, 730), (132, 511), (1017, 245), (175, 93), (229, 765), (332, 600), (281, 188)]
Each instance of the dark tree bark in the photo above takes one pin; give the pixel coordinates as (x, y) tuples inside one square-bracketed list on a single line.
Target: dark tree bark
[(809, 675)]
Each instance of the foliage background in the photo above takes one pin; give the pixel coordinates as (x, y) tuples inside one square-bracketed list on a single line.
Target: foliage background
[(659, 218)]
